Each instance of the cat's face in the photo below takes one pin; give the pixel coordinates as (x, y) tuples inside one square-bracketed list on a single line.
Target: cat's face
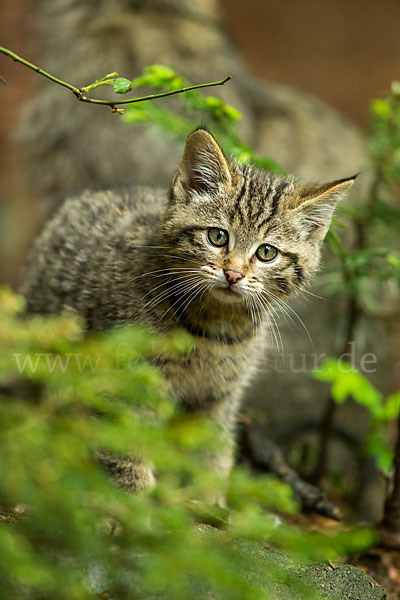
[(242, 232)]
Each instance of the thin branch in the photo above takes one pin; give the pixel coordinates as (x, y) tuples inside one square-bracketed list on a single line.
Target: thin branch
[(264, 454), (17, 58), (353, 314), (78, 92)]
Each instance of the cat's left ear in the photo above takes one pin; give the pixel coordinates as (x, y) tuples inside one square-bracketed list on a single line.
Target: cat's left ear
[(315, 205), (203, 168)]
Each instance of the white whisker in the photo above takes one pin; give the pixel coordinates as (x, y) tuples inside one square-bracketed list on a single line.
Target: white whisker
[(171, 291), (182, 276), (166, 271), (164, 294), (188, 295), (302, 290), (284, 305), (257, 319), (274, 325)]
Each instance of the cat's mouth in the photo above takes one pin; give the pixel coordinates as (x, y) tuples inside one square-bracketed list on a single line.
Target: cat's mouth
[(226, 294)]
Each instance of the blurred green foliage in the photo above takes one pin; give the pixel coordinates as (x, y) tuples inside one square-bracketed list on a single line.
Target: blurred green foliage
[(67, 531), (191, 109), (347, 382), (367, 276), (370, 261)]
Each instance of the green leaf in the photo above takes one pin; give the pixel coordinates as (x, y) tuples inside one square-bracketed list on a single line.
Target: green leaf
[(393, 260), (232, 113), (381, 108), (348, 382), (392, 406), (136, 113), (381, 451), (161, 71), (159, 76), (122, 85), (213, 103)]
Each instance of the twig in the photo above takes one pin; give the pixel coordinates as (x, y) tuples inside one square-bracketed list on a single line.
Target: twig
[(78, 92), (267, 456), (353, 315)]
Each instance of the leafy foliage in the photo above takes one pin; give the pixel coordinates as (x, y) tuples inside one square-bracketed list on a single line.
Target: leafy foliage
[(347, 382), (70, 532), (193, 108), (368, 273), (372, 262)]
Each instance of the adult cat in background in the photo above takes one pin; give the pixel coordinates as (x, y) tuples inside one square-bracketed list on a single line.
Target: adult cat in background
[(87, 147)]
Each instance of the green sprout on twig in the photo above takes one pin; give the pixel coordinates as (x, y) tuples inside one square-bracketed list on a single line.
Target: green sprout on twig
[(120, 85)]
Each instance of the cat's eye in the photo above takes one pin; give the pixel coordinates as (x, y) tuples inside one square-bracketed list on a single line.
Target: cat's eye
[(218, 237), (266, 253)]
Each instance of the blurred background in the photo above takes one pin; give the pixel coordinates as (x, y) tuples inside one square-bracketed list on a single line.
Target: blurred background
[(284, 56), (344, 51)]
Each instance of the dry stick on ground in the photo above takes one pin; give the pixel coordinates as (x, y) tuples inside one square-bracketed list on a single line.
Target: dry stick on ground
[(267, 456), (78, 92)]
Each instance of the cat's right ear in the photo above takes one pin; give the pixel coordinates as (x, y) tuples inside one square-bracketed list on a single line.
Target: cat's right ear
[(202, 170)]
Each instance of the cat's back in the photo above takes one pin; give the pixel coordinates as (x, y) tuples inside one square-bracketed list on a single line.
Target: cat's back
[(92, 244)]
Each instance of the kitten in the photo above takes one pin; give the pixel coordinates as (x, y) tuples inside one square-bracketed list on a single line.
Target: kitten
[(216, 258)]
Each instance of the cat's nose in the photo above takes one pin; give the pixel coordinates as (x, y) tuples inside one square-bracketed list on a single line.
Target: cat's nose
[(233, 276)]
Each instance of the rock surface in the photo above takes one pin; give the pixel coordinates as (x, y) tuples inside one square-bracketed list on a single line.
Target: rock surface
[(282, 578)]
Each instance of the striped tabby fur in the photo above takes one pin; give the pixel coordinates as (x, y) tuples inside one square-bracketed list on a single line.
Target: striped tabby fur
[(189, 261)]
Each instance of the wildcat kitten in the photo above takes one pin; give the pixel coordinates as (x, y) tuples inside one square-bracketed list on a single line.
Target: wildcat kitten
[(216, 258)]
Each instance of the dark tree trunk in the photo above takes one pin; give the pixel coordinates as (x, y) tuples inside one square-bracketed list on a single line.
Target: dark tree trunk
[(390, 525)]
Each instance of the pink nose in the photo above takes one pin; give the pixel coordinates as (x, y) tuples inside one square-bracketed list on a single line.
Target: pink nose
[(232, 276)]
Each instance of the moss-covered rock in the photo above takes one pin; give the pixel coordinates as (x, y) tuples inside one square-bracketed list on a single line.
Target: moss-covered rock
[(282, 578)]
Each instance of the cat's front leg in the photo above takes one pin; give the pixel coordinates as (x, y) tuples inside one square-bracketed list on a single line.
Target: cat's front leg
[(128, 472), (221, 464), (220, 459)]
